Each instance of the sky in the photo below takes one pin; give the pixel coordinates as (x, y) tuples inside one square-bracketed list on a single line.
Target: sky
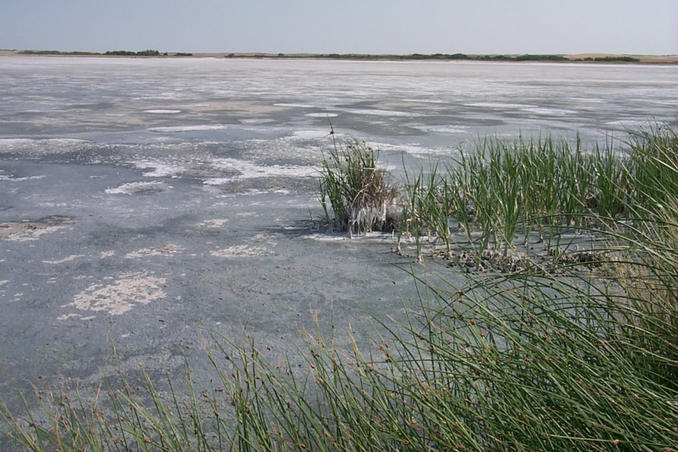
[(343, 26)]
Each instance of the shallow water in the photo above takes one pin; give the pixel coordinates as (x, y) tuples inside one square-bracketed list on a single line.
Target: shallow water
[(144, 202)]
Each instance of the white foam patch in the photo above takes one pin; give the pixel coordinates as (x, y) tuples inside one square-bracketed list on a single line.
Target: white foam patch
[(310, 134), (45, 145), (661, 102), (255, 192), (165, 95), (502, 105), (301, 145), (218, 180), (413, 149), (370, 236), (442, 129), (127, 291), (424, 101), (168, 250), (377, 112), (327, 237), (30, 141), (166, 144), (249, 170), (20, 179), (162, 112), (548, 111), (64, 260), (627, 123), (293, 105), (131, 188), (256, 121), (321, 115), (196, 128), (214, 223)]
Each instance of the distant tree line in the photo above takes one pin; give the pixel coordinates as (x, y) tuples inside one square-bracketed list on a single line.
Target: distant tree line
[(54, 52), (358, 56), (147, 52), (453, 56), (610, 59), (443, 56)]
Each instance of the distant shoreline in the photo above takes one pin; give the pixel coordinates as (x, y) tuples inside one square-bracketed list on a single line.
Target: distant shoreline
[(599, 58)]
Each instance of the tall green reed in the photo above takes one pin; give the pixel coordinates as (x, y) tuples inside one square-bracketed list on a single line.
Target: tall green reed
[(428, 207)]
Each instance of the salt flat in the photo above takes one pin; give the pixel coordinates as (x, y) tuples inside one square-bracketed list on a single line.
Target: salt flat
[(144, 202)]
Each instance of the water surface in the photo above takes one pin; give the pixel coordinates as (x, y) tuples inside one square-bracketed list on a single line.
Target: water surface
[(146, 201)]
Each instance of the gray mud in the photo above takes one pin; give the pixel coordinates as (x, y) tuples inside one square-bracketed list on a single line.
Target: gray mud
[(147, 203)]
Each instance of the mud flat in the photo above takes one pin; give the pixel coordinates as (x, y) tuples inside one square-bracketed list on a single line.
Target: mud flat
[(150, 202)]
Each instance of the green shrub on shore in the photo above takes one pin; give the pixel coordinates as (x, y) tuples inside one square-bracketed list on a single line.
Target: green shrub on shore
[(574, 360)]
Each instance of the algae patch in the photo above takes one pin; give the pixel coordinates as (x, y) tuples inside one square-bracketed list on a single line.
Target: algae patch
[(28, 230), (169, 249), (126, 292)]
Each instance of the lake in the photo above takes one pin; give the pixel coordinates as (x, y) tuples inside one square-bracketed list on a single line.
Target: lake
[(149, 203)]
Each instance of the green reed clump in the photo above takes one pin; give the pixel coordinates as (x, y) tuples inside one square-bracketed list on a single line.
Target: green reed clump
[(529, 185), (495, 191), (428, 208), (526, 361), (500, 189), (360, 198), (653, 158)]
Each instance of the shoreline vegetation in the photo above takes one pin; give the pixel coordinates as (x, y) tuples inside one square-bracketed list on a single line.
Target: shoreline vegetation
[(498, 195), (555, 58), (579, 356)]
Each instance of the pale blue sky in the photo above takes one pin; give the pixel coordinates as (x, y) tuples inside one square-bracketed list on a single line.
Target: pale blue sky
[(364, 26)]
